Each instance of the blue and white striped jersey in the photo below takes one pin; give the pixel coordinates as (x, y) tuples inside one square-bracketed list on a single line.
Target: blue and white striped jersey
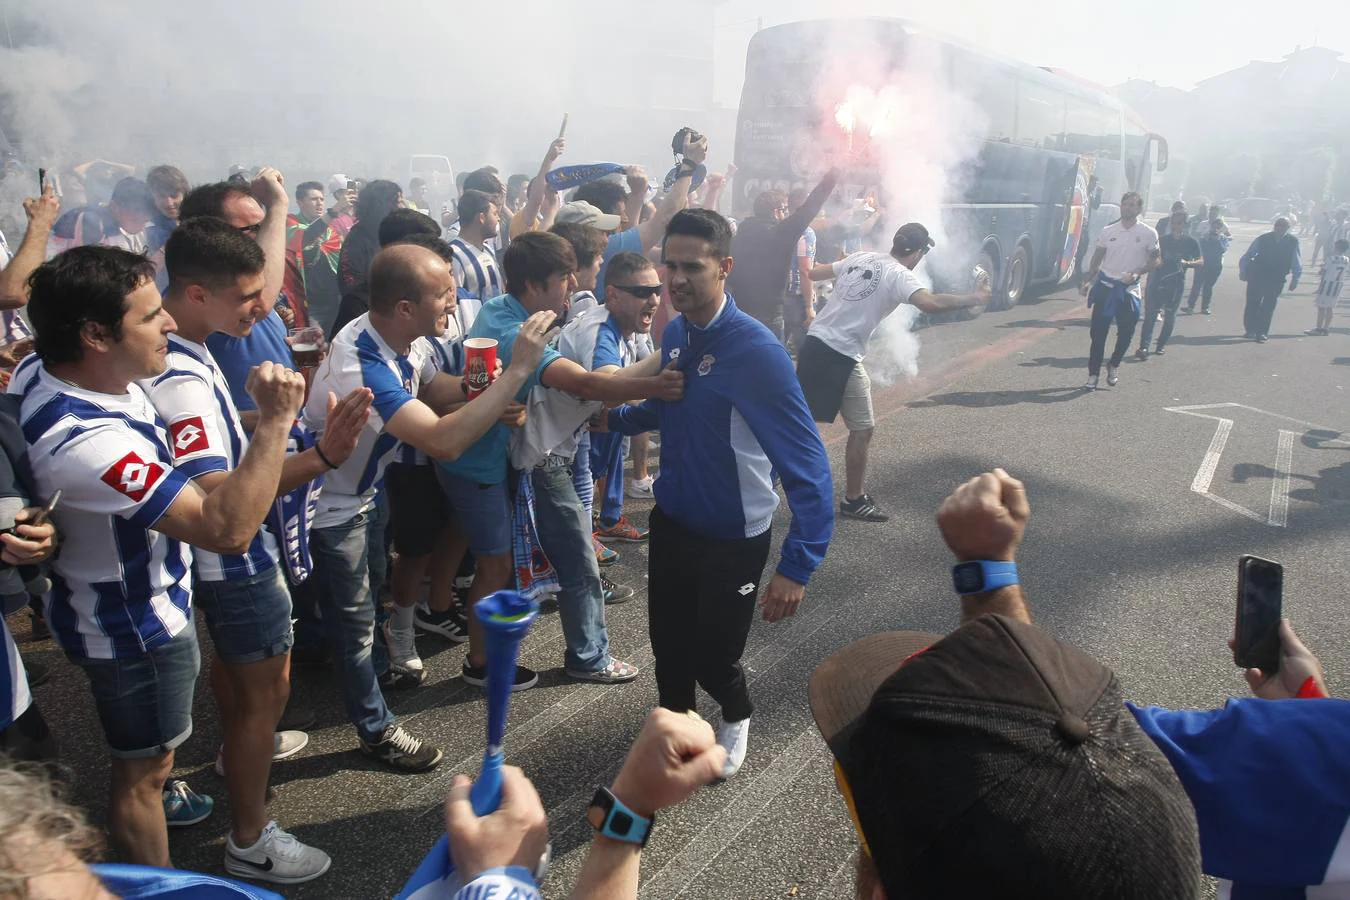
[(205, 435), (448, 354), (24, 374), (476, 272), (118, 587), (359, 357)]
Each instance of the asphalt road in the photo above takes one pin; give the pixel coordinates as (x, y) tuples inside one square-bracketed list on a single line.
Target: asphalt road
[(1130, 555)]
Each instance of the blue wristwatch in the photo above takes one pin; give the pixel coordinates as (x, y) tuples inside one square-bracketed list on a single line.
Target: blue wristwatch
[(610, 817), (982, 575)]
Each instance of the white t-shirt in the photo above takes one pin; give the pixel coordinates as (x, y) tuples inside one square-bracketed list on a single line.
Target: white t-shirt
[(205, 435), (868, 287), (1127, 249), (359, 357), (119, 588)]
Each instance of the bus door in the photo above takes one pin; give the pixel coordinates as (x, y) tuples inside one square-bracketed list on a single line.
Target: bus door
[(1076, 210)]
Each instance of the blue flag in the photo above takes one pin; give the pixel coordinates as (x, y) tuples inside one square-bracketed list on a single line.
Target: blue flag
[(567, 177)]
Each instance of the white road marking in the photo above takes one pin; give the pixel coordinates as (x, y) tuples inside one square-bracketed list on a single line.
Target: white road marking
[(1277, 515), (1279, 484)]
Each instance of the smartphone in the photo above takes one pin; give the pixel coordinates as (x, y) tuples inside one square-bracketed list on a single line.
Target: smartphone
[(1256, 642)]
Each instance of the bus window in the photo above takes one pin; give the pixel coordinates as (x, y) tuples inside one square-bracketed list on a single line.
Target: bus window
[(1092, 129), (992, 87), (1040, 116)]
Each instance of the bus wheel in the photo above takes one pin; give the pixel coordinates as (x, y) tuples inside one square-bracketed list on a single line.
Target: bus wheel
[(1019, 273)]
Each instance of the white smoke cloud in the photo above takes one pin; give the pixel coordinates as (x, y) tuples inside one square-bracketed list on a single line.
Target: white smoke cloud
[(923, 136)]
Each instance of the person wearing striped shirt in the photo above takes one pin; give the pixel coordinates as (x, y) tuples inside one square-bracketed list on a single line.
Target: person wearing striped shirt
[(381, 350), (121, 601), (216, 285), (475, 267)]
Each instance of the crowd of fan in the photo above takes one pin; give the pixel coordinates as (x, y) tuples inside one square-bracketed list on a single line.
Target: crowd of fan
[(268, 415)]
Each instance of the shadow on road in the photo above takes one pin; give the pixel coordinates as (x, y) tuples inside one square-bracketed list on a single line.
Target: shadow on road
[(1056, 362), (1059, 325), (977, 399)]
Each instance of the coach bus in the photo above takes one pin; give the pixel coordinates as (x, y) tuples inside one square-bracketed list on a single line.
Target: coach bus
[(1053, 153)]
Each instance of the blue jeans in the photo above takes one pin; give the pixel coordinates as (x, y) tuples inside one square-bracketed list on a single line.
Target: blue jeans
[(342, 577), (607, 463), (377, 546), (582, 479), (249, 618), (144, 702), (565, 534)]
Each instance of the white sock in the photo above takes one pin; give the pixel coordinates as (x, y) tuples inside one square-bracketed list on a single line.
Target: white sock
[(401, 619)]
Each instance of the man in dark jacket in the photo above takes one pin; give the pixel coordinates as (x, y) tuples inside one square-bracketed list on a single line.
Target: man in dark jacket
[(763, 249), (1271, 258)]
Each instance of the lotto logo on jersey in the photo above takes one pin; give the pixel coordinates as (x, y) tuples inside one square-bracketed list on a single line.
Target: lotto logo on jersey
[(188, 437), (133, 476)]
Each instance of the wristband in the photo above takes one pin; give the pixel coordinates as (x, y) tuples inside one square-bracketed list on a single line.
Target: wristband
[(982, 575), (1310, 690), (609, 816), (326, 461)]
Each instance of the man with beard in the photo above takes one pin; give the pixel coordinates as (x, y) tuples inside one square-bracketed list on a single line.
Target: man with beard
[(1127, 250)]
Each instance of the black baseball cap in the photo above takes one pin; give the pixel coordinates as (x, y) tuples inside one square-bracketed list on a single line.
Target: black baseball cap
[(911, 237), (999, 762)]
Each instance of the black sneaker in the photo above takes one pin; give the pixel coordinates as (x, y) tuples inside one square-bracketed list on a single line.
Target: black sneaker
[(615, 593), (448, 624), (477, 676), (863, 508), (402, 752), (400, 680)]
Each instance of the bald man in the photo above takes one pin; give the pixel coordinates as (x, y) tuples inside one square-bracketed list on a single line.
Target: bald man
[(384, 350)]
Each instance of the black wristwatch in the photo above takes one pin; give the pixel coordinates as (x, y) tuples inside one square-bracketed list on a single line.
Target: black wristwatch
[(608, 816)]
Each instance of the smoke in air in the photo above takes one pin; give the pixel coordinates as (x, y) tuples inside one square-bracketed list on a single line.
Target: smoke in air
[(912, 138)]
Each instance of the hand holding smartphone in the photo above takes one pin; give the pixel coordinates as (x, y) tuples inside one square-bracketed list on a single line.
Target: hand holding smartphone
[(1256, 643)]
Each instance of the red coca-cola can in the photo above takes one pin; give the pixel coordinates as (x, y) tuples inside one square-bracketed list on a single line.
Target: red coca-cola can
[(480, 362)]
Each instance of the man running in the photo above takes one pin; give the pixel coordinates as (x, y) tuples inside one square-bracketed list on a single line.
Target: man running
[(870, 287), (1127, 250)]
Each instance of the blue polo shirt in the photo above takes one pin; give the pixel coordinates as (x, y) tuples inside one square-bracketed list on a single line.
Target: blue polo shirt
[(499, 319), (237, 356)]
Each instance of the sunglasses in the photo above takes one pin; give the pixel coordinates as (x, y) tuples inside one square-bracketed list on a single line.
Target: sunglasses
[(642, 291)]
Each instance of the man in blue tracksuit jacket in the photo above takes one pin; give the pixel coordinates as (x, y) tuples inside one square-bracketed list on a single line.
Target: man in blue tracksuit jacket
[(743, 419)]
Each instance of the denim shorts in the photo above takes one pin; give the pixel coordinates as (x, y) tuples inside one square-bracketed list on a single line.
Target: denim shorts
[(249, 619), (482, 512), (145, 701)]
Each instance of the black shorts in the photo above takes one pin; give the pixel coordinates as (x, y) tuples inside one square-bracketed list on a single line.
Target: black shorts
[(417, 509), (824, 373)]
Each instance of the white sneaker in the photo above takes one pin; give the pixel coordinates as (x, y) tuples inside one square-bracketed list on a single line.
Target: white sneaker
[(285, 744), (1091, 383), (734, 738), (640, 488), (403, 650), (1112, 375), (277, 857)]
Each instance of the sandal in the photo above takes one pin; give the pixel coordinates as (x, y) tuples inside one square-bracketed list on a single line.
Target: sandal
[(617, 672)]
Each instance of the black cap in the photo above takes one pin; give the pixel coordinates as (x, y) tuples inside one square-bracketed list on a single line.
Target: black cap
[(998, 762), (911, 237)]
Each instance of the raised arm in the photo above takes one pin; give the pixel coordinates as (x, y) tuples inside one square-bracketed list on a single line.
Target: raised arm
[(534, 198), (269, 189), (654, 228), (42, 213), (984, 519)]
